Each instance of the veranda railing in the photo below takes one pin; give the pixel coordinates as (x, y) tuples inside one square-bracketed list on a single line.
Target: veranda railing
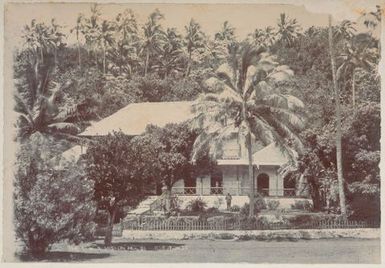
[(285, 192)]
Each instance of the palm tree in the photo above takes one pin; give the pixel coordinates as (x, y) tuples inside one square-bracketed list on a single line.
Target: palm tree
[(264, 38), (56, 38), (223, 42), (78, 29), (152, 35), (37, 104), (194, 40), (372, 19), (125, 53), (106, 39), (170, 53), (245, 102), (91, 30), (227, 33), (345, 30), (354, 58), (341, 190), (38, 39), (288, 30)]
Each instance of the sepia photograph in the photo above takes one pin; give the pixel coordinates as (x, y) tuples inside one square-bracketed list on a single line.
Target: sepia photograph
[(192, 132)]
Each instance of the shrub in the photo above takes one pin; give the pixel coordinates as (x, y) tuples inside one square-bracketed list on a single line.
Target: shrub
[(302, 205), (53, 199), (259, 205), (273, 204), (235, 208), (196, 205), (212, 210)]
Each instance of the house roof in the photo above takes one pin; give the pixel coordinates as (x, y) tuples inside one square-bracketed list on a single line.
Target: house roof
[(134, 118), (270, 155)]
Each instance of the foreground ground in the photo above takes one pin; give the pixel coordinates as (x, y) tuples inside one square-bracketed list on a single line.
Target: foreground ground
[(223, 251)]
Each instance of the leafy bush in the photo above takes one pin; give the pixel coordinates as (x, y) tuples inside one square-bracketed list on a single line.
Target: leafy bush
[(302, 205), (259, 204), (212, 210), (196, 205), (53, 199), (273, 204), (235, 208), (304, 219)]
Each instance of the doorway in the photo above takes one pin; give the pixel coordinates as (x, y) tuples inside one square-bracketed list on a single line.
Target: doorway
[(263, 184), (216, 182)]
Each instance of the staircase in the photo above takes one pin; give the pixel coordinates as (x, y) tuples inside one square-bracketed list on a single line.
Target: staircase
[(146, 206)]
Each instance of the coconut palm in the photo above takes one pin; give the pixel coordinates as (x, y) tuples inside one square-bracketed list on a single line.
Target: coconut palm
[(345, 30), (353, 58), (288, 30), (39, 111), (169, 57), (124, 54), (245, 101), (106, 39), (264, 38), (227, 33), (340, 176), (223, 42), (56, 38), (91, 30), (152, 36), (194, 40), (78, 29), (373, 18), (38, 39)]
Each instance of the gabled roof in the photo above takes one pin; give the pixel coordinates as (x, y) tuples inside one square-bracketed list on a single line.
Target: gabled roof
[(270, 155), (134, 118)]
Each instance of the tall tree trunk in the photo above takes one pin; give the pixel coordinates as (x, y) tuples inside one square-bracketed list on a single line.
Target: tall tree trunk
[(341, 190), (251, 175), (146, 63), (188, 65), (250, 160), (354, 89), (55, 57), (79, 59), (110, 226), (41, 55), (104, 58)]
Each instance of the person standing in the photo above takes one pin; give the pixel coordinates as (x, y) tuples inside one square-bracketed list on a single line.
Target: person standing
[(228, 201)]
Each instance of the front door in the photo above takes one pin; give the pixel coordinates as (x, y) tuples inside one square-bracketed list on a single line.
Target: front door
[(216, 182), (263, 184)]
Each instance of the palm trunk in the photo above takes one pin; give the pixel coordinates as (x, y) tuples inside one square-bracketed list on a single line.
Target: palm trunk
[(55, 57), (250, 159), (104, 58), (41, 55), (354, 89), (251, 174), (341, 190), (146, 63), (188, 65), (79, 59)]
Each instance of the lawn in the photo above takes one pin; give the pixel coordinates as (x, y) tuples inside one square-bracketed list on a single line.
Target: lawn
[(223, 251)]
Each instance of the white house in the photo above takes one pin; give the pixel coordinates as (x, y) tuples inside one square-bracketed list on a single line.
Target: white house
[(231, 174)]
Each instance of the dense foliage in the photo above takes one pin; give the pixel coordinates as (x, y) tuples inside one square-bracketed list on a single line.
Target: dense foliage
[(117, 165), (53, 198)]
